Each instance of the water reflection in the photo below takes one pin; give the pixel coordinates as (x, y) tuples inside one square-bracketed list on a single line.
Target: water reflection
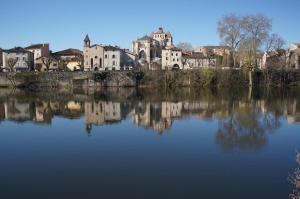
[(244, 118), (294, 179)]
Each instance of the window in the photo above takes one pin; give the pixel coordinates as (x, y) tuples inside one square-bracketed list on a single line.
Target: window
[(113, 56), (173, 60), (167, 58), (177, 59), (176, 54), (96, 57), (114, 63), (105, 56), (172, 54), (24, 59)]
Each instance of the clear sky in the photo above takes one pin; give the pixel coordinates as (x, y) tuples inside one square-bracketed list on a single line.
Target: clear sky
[(64, 23)]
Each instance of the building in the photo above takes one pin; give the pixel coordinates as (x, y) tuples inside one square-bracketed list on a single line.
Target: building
[(148, 49), (39, 50), (104, 58), (196, 60), (293, 56), (274, 59), (165, 39), (1, 59), (18, 59), (69, 59), (50, 63), (172, 59), (214, 50)]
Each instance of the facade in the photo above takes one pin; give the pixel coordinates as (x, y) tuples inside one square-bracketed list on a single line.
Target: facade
[(18, 58), (198, 60), (70, 59), (214, 50), (172, 59), (105, 58)]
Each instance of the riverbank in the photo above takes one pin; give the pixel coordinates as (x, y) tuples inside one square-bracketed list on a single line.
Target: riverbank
[(168, 79)]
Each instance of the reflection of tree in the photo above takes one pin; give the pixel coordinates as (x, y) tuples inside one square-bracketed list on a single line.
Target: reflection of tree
[(295, 180), (246, 128)]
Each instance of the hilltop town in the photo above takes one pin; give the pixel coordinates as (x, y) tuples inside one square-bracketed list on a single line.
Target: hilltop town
[(155, 51)]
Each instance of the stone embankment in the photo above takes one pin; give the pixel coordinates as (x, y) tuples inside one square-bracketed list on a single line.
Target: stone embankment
[(192, 78)]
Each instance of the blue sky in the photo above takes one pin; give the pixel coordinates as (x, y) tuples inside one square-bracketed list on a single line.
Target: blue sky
[(64, 23)]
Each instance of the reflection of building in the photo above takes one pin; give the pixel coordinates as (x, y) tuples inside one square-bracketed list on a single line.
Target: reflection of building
[(293, 112), (18, 111), (101, 112), (2, 112)]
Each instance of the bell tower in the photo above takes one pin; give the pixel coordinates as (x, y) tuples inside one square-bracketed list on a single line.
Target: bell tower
[(87, 41)]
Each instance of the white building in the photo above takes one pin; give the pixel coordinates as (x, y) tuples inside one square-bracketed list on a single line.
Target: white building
[(172, 59), (39, 50), (17, 58)]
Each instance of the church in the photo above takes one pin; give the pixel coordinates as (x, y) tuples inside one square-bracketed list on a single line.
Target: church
[(148, 49)]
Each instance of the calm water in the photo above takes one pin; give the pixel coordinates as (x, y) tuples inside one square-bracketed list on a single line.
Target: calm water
[(127, 143)]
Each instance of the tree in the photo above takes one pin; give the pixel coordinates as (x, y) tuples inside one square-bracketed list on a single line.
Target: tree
[(185, 46), (257, 29), (274, 42), (11, 62), (231, 32), (47, 61)]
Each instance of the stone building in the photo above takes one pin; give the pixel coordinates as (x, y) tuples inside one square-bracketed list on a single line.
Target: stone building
[(274, 59), (196, 60), (148, 49), (1, 59), (69, 59), (293, 57), (165, 39), (172, 59), (100, 57), (214, 50), (18, 58)]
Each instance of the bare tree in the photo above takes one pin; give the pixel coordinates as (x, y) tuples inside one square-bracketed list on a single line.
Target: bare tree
[(47, 61), (231, 32), (11, 62), (185, 46), (257, 29), (274, 42)]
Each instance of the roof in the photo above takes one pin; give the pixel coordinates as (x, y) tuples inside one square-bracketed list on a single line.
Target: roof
[(111, 48), (146, 37), (69, 52), (195, 55), (173, 48), (216, 47), (16, 50), (36, 46)]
